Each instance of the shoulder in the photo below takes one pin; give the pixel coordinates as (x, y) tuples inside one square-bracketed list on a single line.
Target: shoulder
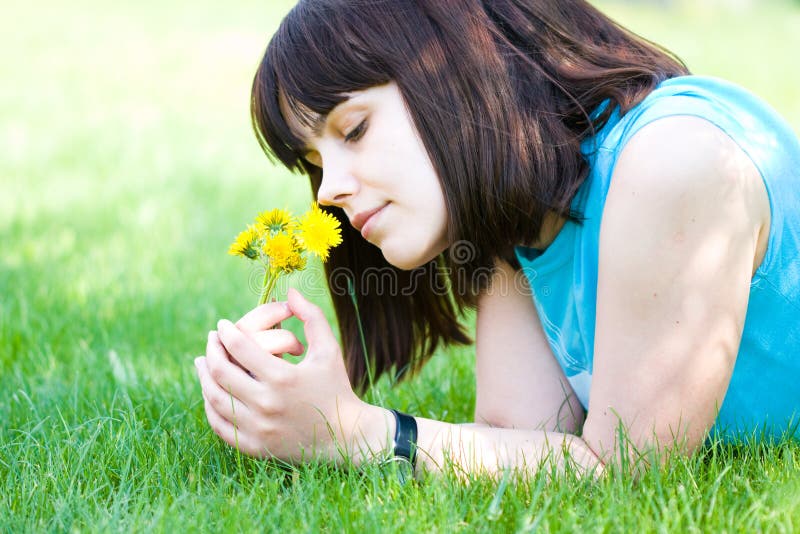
[(687, 162), (681, 146)]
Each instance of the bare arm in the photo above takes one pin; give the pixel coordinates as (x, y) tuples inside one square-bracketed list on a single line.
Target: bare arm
[(519, 382), (673, 288)]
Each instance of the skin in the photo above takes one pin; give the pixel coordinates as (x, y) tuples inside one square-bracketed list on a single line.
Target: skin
[(671, 301)]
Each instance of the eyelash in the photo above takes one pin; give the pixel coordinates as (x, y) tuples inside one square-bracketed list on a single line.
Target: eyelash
[(356, 133)]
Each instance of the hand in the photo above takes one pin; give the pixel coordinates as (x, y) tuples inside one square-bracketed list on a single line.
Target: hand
[(268, 407)]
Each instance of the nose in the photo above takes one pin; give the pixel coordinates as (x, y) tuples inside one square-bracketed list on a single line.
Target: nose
[(338, 182)]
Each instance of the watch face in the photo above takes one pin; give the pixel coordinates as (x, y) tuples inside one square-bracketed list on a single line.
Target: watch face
[(400, 467)]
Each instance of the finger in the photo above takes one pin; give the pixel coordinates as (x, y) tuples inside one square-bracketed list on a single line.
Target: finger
[(278, 342), (226, 431), (264, 317), (226, 374), (224, 402), (247, 352), (318, 332)]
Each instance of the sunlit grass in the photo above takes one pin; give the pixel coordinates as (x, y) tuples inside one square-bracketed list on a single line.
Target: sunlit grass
[(128, 166)]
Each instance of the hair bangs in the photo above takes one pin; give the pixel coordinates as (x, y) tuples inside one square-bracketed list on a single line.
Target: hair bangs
[(315, 59)]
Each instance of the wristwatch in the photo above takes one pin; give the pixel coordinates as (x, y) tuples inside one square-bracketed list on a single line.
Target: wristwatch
[(404, 446)]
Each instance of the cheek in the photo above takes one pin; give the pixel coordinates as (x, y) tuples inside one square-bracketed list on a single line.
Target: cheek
[(422, 238), (437, 214)]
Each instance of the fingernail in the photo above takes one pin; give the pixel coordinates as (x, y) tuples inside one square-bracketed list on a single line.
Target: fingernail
[(285, 305), (220, 324)]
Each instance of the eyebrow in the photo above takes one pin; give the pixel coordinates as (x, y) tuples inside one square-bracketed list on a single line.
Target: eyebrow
[(318, 127), (318, 124)]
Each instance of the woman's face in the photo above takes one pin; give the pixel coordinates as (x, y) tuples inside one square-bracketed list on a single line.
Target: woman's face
[(377, 170)]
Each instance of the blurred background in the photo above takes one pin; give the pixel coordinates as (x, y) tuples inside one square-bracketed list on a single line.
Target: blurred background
[(128, 165)]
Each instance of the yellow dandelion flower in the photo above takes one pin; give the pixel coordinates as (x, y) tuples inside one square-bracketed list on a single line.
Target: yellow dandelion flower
[(318, 232), (280, 250), (296, 262), (245, 244), (274, 221)]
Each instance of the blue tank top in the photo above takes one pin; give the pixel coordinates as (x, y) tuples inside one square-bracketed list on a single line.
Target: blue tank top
[(764, 392)]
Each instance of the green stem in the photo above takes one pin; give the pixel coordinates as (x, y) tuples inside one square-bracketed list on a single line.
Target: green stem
[(273, 283), (267, 285), (367, 360)]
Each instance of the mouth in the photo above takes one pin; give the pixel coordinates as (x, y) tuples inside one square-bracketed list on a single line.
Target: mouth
[(362, 221)]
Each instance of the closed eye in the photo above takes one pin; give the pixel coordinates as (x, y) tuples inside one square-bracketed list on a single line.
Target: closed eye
[(357, 132)]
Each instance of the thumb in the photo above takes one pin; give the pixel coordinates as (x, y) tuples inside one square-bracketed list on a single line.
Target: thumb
[(315, 325)]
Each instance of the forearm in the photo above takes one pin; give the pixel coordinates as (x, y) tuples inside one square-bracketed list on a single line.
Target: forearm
[(473, 448)]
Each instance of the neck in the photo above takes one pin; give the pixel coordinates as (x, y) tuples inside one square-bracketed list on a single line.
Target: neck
[(551, 226)]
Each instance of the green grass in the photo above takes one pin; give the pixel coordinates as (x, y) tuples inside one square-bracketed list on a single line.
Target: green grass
[(127, 167)]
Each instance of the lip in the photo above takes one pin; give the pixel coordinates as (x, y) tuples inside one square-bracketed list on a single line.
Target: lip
[(360, 220)]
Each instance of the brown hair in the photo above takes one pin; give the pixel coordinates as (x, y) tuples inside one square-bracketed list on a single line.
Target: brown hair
[(501, 93)]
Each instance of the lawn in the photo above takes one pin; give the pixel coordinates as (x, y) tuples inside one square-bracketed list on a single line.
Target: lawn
[(128, 165)]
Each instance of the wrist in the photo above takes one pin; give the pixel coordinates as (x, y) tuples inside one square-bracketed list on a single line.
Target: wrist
[(371, 435)]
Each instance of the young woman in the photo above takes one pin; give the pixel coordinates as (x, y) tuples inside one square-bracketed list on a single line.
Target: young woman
[(654, 214)]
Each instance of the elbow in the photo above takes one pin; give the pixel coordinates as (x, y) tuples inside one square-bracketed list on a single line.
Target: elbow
[(586, 458)]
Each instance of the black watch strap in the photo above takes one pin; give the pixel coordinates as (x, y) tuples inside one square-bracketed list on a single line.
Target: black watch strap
[(405, 437)]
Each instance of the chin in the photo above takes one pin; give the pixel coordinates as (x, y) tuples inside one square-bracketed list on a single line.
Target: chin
[(403, 263), (403, 258)]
